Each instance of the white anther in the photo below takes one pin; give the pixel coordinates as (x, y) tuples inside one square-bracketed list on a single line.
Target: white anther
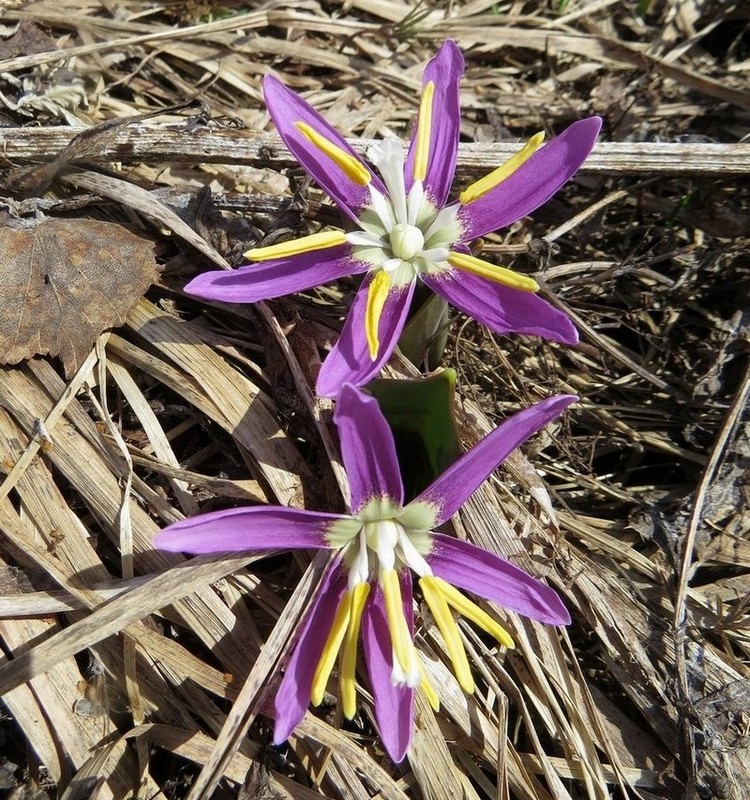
[(381, 536), (387, 536)]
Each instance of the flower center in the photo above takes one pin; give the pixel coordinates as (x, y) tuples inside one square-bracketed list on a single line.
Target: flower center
[(406, 241), (384, 544)]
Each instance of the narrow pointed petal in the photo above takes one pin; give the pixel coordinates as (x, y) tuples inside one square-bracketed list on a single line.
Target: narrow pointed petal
[(269, 279), (349, 361), (473, 569), (367, 449), (468, 472), (256, 528), (533, 183), (394, 705), (502, 308), (286, 109), (444, 71), (293, 696)]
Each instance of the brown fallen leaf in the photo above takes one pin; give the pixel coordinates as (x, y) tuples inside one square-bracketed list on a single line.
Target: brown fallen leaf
[(27, 39), (64, 281)]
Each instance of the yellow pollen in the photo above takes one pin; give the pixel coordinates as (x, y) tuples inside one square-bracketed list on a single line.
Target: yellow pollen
[(403, 646), (377, 294), (473, 612), (501, 275), (331, 649), (432, 592), (349, 658), (424, 129), (351, 166), (483, 185), (305, 244)]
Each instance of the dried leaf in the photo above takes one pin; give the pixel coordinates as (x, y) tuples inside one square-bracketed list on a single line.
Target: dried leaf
[(28, 38), (65, 281)]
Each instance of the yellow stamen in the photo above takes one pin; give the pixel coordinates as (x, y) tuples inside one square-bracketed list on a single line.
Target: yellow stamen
[(501, 275), (432, 592), (473, 612), (424, 129), (429, 690), (349, 657), (377, 294), (331, 649), (403, 646), (483, 185), (352, 166), (305, 244)]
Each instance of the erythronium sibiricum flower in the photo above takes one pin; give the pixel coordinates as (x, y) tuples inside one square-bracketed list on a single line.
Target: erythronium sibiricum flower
[(402, 227), (367, 588)]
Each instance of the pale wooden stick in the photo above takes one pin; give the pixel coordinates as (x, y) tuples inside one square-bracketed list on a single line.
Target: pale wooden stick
[(158, 144)]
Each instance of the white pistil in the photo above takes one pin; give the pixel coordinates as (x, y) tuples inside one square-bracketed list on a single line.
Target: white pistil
[(388, 156), (385, 532), (406, 241)]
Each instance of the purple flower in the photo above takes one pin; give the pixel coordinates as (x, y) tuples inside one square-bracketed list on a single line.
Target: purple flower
[(402, 227), (368, 587)]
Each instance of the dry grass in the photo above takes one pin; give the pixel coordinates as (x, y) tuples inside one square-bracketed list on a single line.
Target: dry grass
[(126, 667)]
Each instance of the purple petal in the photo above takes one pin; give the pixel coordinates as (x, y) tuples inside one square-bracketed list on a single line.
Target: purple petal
[(293, 696), (367, 449), (501, 308), (268, 279), (286, 108), (533, 183), (469, 567), (394, 705), (256, 528), (445, 71), (467, 473), (349, 361)]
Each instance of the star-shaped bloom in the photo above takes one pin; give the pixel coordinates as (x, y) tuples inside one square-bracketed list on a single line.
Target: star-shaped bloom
[(403, 230), (366, 591)]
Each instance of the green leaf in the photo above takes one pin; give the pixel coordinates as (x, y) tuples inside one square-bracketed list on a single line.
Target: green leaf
[(421, 415)]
